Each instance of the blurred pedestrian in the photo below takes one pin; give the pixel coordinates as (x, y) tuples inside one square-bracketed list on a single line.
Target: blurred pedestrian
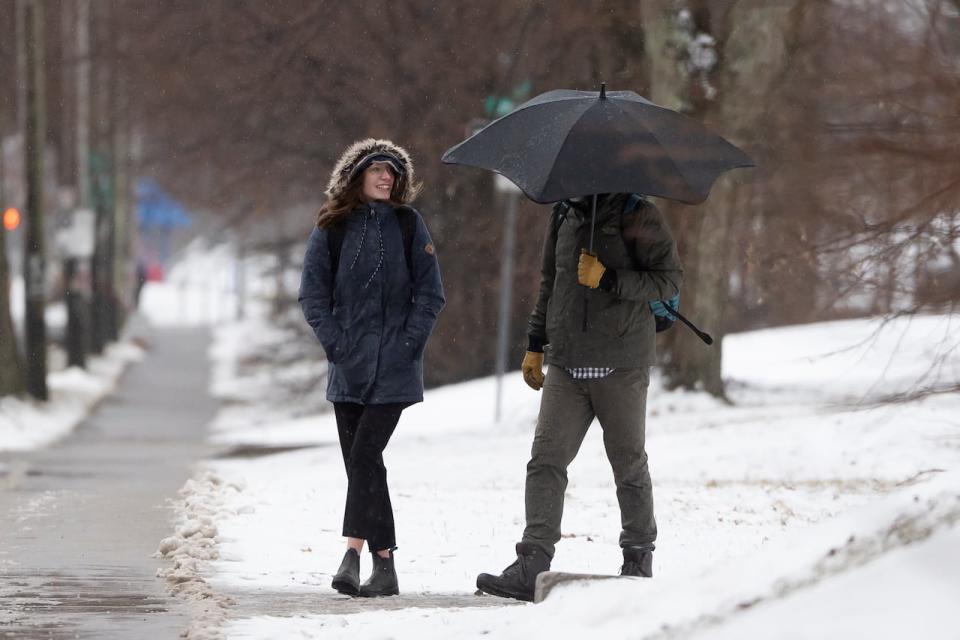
[(371, 291), (140, 281), (599, 355)]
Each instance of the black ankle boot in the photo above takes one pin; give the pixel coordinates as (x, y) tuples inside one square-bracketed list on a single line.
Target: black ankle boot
[(519, 580), (383, 580), (637, 561), (347, 578)]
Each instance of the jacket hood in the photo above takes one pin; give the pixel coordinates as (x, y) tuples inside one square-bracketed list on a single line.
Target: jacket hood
[(364, 149)]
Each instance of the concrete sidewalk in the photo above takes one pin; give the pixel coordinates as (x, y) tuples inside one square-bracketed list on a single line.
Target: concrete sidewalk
[(80, 520)]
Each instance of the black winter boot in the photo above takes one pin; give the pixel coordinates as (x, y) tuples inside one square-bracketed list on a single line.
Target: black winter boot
[(519, 580), (383, 580), (637, 561), (347, 578)]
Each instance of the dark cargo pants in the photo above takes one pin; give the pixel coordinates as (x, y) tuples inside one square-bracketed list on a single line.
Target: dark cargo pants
[(567, 408)]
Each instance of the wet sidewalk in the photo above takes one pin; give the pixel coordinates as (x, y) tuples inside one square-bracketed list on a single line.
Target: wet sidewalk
[(80, 520)]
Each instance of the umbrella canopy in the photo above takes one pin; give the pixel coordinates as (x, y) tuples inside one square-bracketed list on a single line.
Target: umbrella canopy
[(565, 143)]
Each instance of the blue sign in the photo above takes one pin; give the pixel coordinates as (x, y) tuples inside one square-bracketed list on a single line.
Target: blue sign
[(156, 209)]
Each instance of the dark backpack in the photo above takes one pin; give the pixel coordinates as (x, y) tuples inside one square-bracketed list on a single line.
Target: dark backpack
[(408, 227), (661, 308)]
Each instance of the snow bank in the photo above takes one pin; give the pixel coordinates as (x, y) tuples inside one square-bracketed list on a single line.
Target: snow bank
[(192, 547)]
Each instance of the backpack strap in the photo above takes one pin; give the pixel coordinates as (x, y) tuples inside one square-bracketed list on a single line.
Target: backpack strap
[(334, 244), (407, 216), (559, 215)]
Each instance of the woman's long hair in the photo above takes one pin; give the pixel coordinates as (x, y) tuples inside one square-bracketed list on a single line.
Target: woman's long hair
[(339, 206)]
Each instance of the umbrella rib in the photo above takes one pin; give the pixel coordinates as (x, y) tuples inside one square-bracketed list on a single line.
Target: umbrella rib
[(522, 107), (566, 137)]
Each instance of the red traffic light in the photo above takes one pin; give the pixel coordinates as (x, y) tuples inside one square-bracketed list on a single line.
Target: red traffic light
[(11, 219)]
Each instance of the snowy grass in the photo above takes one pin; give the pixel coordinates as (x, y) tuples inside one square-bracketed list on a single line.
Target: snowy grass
[(770, 510)]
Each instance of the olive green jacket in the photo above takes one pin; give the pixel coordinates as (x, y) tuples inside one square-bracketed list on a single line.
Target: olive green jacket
[(615, 328)]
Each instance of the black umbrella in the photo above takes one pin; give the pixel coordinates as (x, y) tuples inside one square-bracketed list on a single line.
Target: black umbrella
[(563, 144), (566, 143)]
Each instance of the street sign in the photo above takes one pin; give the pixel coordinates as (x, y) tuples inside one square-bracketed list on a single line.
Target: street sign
[(76, 239)]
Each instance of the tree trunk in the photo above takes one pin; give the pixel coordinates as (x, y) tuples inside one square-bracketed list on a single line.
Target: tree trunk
[(121, 286), (76, 269), (713, 62), (11, 372), (11, 367), (103, 174), (34, 258)]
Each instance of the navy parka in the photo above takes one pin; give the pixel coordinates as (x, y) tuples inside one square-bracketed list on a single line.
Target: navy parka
[(371, 317)]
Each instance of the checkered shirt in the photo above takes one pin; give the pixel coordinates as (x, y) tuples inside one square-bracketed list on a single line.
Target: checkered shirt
[(589, 373)]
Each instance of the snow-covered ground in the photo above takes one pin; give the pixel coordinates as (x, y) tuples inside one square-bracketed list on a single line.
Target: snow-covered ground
[(806, 509), (199, 290)]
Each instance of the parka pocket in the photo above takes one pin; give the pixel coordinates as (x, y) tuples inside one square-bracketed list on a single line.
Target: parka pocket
[(347, 342), (409, 346), (342, 347), (400, 354)]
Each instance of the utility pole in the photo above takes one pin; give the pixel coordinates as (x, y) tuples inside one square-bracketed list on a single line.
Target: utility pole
[(75, 266), (83, 102), (103, 192), (512, 195), (240, 272), (35, 329), (123, 273)]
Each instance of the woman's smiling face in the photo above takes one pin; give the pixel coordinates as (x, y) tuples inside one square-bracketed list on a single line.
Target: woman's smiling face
[(378, 181)]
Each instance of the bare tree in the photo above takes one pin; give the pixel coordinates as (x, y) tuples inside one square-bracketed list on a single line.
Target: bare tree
[(715, 61), (11, 366), (852, 208), (244, 107), (34, 268), (247, 106)]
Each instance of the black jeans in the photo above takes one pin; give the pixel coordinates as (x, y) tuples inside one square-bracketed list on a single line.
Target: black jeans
[(364, 432)]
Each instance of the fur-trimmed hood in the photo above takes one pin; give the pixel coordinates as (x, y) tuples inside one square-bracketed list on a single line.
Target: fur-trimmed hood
[(359, 150)]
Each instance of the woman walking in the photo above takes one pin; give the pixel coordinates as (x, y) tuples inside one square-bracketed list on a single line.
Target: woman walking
[(371, 291)]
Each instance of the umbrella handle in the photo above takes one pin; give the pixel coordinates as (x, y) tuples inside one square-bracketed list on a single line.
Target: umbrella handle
[(593, 220), (703, 335)]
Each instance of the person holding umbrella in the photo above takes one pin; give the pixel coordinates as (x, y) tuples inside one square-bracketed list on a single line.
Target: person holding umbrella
[(608, 261), (601, 372), (371, 292)]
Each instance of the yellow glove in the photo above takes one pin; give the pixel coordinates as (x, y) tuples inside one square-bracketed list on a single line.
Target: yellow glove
[(532, 369), (589, 270)]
